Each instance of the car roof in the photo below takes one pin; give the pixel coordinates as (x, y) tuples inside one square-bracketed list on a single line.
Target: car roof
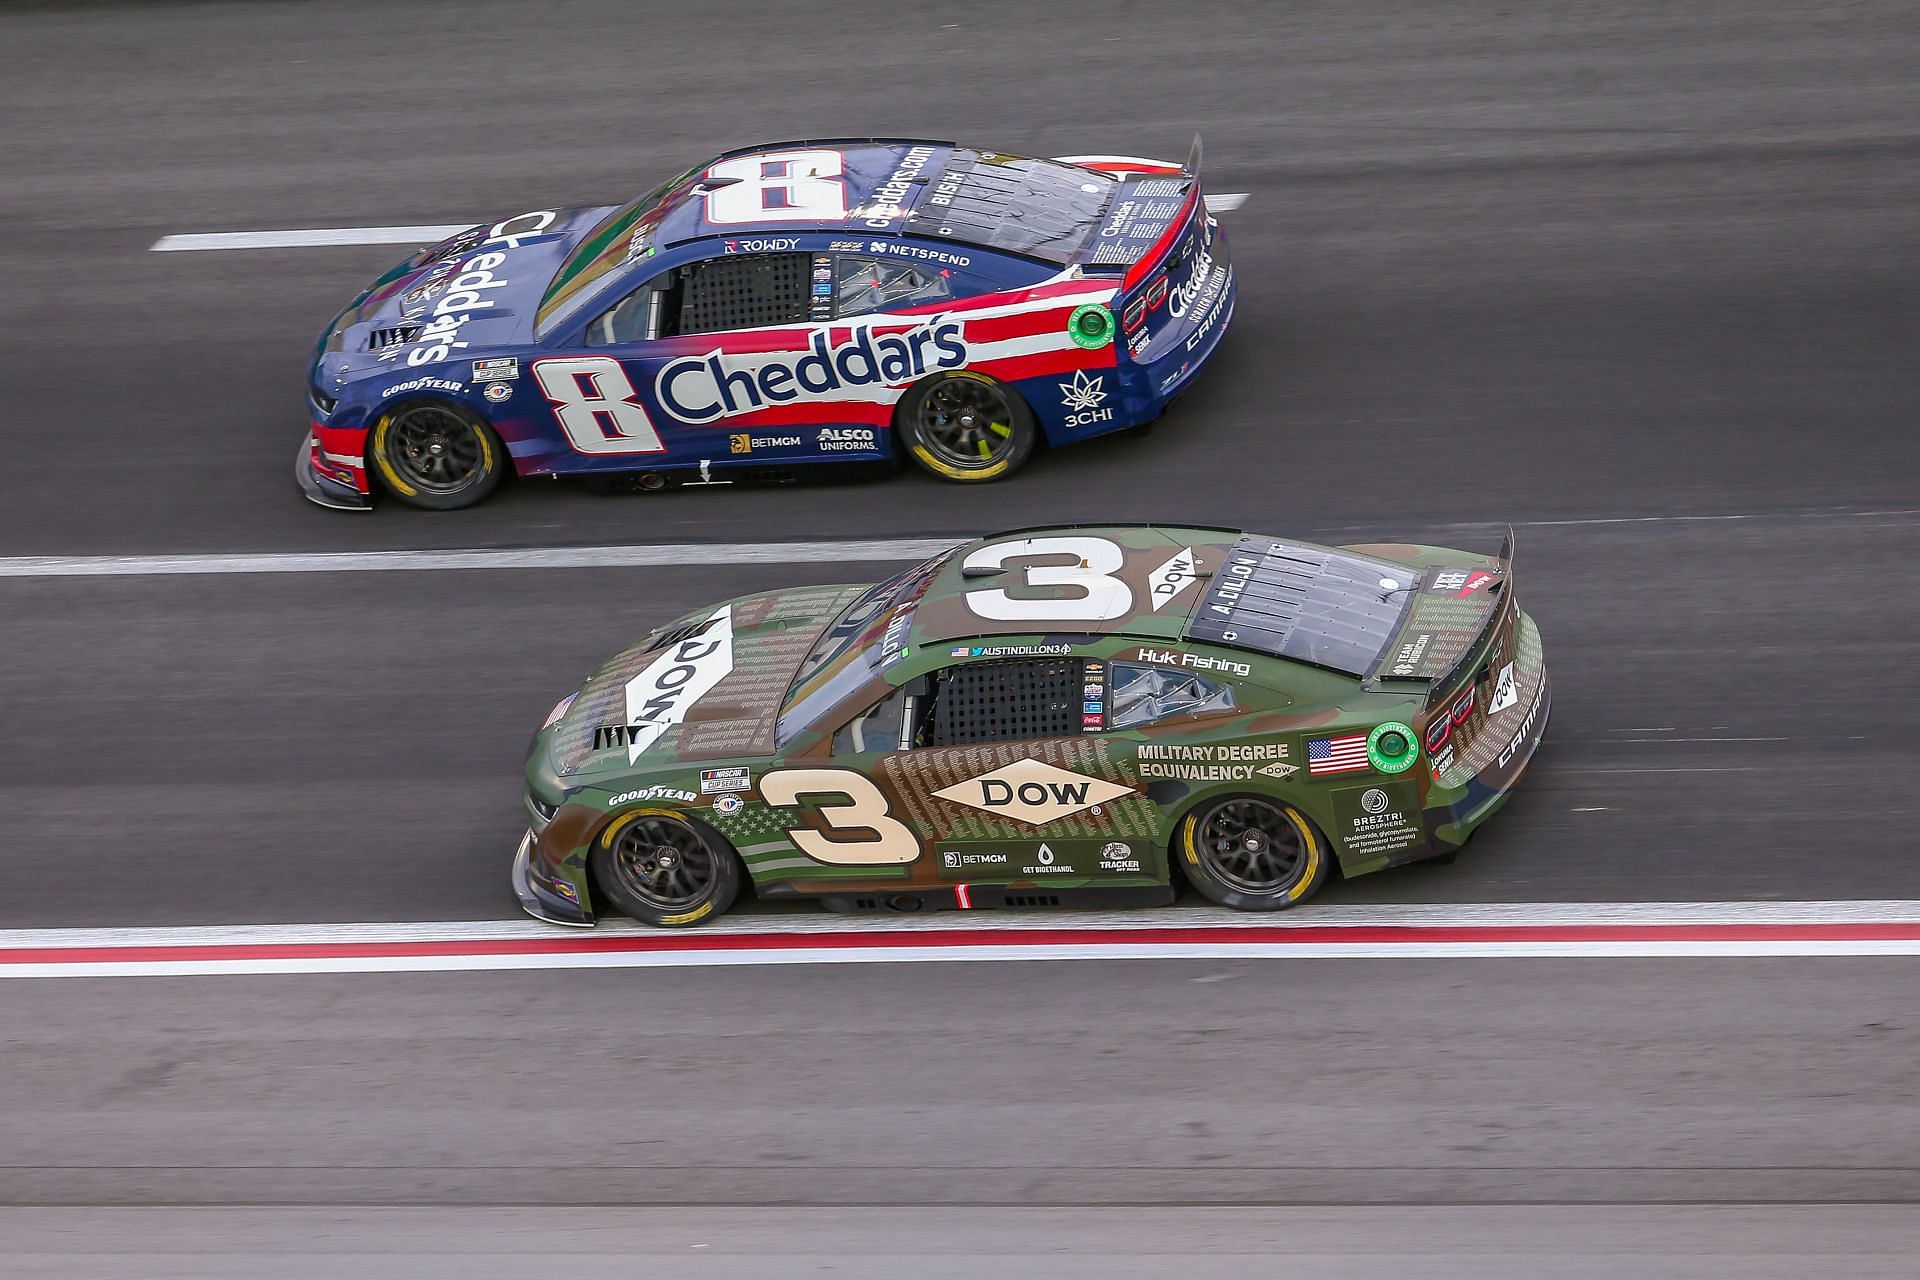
[(1185, 584), (911, 186)]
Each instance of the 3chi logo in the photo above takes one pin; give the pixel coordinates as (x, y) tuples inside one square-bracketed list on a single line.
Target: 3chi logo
[(1375, 801), (1082, 397)]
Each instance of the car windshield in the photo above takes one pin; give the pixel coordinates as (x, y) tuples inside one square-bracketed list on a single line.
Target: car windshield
[(867, 635), (622, 236)]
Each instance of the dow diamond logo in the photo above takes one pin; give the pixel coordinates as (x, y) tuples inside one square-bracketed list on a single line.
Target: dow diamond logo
[(1033, 792), (1083, 392)]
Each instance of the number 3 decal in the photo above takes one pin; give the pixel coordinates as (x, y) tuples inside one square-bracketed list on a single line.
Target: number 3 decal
[(1095, 560), (879, 839)]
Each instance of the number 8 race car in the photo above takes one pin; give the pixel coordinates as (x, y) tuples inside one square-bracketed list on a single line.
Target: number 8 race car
[(835, 301), (1058, 716)]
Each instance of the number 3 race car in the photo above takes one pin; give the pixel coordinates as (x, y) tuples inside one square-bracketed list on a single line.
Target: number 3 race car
[(1056, 716), (812, 302)]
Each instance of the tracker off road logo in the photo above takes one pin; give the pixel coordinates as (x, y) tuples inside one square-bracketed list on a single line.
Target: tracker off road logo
[(1033, 792)]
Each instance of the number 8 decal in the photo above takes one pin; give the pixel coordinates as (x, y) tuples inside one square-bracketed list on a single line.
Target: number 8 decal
[(803, 186), (594, 401), (887, 841)]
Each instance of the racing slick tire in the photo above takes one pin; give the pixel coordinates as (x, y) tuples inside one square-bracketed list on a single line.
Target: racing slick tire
[(435, 455), (966, 427), (663, 870), (1251, 853)]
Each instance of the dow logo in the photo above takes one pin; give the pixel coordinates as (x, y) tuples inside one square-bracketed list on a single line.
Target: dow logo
[(1032, 792)]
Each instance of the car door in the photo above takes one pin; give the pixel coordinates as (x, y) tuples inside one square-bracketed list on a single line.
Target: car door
[(1001, 771), (655, 378)]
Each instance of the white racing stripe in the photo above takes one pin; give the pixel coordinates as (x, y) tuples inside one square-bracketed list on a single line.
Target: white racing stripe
[(325, 237), (1457, 931), (503, 558)]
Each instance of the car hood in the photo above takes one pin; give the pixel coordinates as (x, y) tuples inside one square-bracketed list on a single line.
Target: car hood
[(473, 292), (706, 687)]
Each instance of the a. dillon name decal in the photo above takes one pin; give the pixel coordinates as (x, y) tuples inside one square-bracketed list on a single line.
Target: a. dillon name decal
[(705, 388)]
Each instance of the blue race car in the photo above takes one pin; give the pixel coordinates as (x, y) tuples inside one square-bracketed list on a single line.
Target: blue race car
[(845, 300)]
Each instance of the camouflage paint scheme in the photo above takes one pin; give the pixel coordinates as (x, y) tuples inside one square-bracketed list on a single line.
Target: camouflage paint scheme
[(1461, 666)]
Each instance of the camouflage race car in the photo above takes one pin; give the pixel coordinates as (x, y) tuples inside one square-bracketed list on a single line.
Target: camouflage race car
[(1060, 716)]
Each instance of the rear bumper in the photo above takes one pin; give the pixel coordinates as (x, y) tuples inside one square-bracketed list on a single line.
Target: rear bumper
[(1490, 788), (538, 897), (328, 482)]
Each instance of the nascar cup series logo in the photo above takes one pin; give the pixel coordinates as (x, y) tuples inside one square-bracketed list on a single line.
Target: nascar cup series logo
[(706, 388)]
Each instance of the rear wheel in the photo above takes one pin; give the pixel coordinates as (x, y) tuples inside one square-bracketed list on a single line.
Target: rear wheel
[(1252, 854), (967, 427), (663, 870), (436, 456)]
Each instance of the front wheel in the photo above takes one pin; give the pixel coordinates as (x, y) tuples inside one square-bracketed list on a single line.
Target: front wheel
[(663, 870), (967, 427), (1252, 854), (436, 456)]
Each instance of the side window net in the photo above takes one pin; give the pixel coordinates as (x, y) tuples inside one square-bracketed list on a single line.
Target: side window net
[(874, 284), (1138, 695), (745, 291), (1006, 701)]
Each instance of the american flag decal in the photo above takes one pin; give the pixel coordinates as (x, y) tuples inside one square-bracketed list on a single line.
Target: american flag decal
[(1337, 755)]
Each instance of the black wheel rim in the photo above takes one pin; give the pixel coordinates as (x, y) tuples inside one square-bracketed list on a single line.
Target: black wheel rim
[(664, 863), (435, 449), (1253, 847), (966, 423)]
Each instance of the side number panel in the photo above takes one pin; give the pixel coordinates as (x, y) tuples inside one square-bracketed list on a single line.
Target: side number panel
[(861, 831), (1081, 590), (596, 405)]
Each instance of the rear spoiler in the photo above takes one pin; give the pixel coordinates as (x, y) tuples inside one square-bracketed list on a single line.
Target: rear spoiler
[(1146, 264), (1496, 622)]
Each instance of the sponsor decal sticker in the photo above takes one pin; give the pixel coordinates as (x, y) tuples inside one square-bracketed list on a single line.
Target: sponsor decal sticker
[(1165, 583), (1082, 397), (699, 389), (1461, 582), (1526, 727), (1344, 754), (1090, 325), (716, 781), (993, 863), (1118, 856), (1192, 661), (423, 384), (1229, 762), (728, 805), (1011, 650), (500, 369), (660, 696), (846, 439), (1378, 821), (762, 244), (652, 793), (1506, 692), (1033, 792), (497, 391), (1044, 864)]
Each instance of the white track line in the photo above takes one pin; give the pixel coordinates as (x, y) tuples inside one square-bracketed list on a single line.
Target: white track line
[(503, 558), (1493, 930), (641, 556), (324, 237)]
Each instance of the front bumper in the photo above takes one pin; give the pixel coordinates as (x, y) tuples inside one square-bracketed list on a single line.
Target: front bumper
[(334, 487), (538, 897)]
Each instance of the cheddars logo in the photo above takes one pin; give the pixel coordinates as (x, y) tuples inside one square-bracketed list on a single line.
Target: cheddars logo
[(1032, 792), (704, 388)]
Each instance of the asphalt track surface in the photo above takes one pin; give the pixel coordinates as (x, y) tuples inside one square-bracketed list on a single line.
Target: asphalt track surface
[(1637, 279)]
